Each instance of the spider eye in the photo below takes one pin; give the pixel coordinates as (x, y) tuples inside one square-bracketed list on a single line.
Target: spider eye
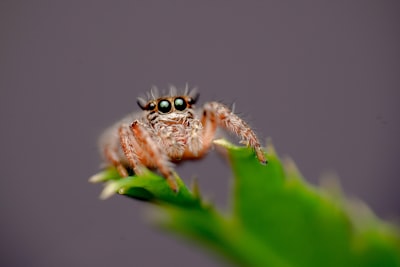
[(151, 106), (180, 103), (164, 106), (192, 100)]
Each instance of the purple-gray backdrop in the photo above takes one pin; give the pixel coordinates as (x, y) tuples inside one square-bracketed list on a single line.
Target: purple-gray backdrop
[(321, 78)]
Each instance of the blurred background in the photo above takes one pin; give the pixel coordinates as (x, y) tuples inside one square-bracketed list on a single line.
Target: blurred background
[(320, 78)]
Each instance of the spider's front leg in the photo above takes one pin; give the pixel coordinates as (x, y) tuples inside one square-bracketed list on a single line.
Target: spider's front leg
[(109, 143), (130, 147), (141, 149), (217, 113)]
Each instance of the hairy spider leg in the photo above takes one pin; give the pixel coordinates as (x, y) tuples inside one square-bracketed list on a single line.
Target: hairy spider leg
[(200, 136), (210, 127), (151, 154), (225, 118), (195, 139), (130, 147), (110, 150)]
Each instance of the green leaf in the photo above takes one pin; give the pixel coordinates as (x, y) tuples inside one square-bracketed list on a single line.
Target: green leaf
[(148, 186), (277, 219)]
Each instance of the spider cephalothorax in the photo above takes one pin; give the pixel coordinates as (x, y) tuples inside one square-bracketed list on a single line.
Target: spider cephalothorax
[(170, 129)]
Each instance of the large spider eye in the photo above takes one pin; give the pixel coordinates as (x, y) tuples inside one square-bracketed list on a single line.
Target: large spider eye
[(180, 103), (164, 106)]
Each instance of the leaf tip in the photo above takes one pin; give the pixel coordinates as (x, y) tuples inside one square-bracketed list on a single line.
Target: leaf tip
[(292, 171), (330, 183), (97, 178), (269, 148), (222, 142), (109, 190), (195, 188)]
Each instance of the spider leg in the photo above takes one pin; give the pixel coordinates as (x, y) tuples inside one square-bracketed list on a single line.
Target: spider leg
[(209, 123), (200, 136), (130, 147), (112, 156), (222, 116), (110, 147), (153, 155)]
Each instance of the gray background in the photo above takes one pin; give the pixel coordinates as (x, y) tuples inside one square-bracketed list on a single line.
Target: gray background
[(320, 78)]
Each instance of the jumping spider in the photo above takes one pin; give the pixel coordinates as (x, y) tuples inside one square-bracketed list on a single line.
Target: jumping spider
[(168, 131)]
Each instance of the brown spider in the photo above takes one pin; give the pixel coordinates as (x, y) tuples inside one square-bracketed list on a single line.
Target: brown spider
[(170, 130)]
